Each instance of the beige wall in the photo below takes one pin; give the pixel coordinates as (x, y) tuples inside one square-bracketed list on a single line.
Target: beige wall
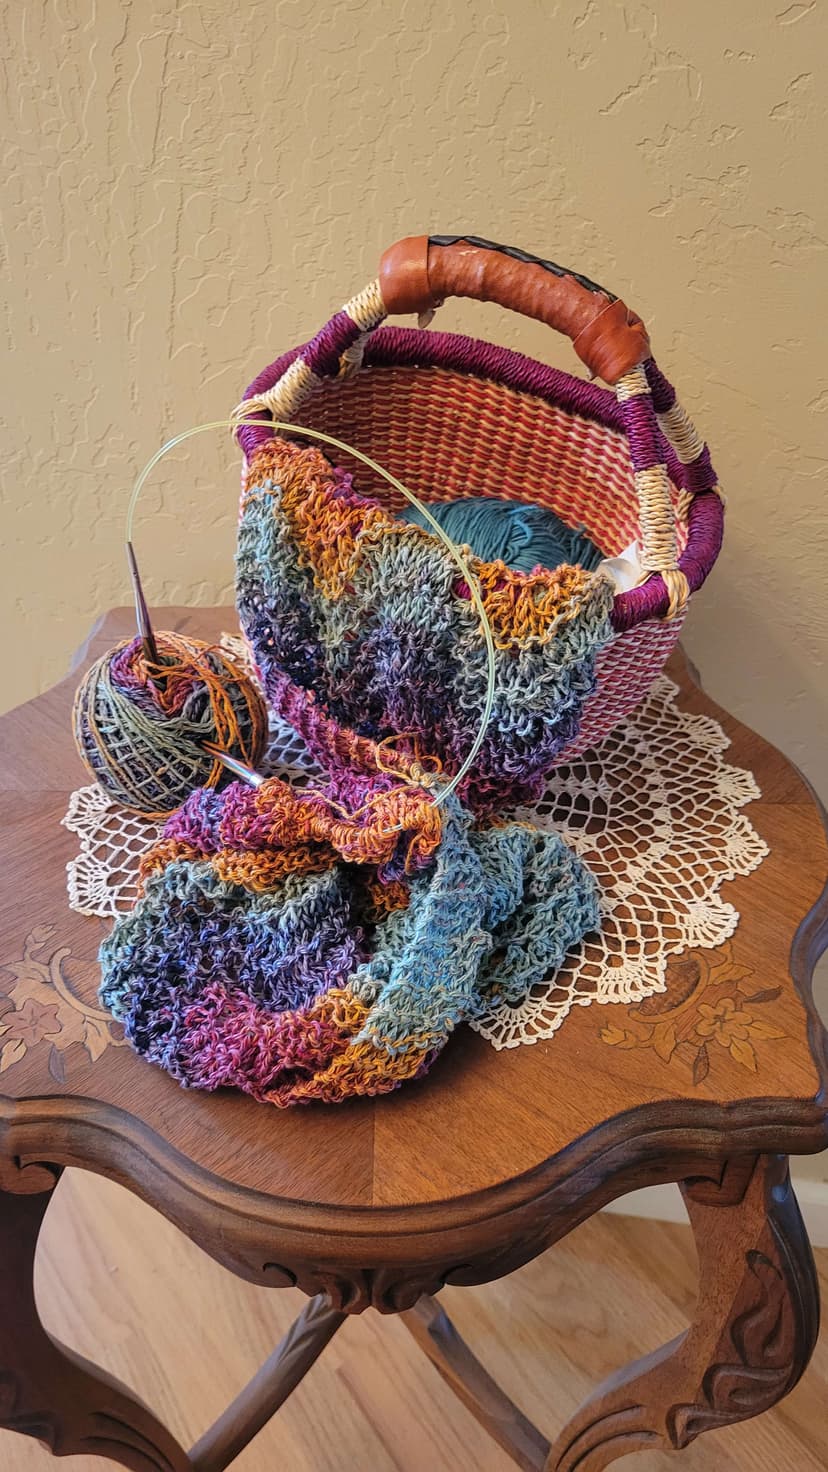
[(189, 188)]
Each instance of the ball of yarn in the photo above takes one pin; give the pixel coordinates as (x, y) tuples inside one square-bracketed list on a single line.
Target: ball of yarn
[(139, 725), (522, 536)]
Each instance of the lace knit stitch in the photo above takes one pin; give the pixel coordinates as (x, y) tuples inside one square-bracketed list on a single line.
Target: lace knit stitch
[(358, 619)]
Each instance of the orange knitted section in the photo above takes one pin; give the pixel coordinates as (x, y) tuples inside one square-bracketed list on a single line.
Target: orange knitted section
[(325, 524), (368, 835), (257, 871), (381, 898), (532, 606), (361, 1068), (338, 1015)]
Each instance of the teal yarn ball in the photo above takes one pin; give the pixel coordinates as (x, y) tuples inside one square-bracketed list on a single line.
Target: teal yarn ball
[(524, 537)]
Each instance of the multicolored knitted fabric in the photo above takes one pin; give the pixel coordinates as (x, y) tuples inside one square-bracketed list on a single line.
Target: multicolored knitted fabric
[(322, 944), (361, 630)]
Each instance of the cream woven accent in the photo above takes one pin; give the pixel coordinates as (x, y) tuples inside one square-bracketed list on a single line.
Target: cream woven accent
[(367, 310), (677, 426), (659, 547), (680, 430), (659, 551), (632, 385), (283, 399), (683, 504), (294, 385), (351, 360)]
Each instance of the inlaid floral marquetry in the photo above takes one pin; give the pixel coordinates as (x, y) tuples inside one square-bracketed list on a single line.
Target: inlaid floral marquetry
[(39, 1006), (713, 1006)]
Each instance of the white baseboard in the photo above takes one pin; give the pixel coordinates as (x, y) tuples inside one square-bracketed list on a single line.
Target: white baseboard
[(664, 1203)]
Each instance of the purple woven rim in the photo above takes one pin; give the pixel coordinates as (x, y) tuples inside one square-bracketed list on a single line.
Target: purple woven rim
[(407, 347)]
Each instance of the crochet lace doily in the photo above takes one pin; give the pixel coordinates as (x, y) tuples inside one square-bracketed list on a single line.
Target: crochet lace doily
[(654, 811)]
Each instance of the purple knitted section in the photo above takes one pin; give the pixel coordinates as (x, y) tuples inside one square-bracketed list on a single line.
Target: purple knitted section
[(646, 443), (332, 747), (407, 347), (323, 354)]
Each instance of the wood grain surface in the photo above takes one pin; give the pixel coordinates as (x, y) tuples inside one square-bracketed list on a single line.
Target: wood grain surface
[(121, 1285)]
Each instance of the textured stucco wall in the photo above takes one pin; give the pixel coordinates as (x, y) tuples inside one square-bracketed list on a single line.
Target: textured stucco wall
[(190, 187)]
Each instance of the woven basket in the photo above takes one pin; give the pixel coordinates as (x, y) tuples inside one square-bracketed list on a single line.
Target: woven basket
[(451, 416)]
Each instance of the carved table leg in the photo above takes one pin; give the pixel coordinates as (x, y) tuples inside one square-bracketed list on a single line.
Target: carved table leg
[(438, 1338), (46, 1390), (752, 1335), (269, 1389)]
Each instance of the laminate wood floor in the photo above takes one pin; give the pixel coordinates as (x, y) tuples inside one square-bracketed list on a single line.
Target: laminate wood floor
[(118, 1283)]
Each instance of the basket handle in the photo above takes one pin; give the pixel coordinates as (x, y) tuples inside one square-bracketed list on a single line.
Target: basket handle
[(418, 273)]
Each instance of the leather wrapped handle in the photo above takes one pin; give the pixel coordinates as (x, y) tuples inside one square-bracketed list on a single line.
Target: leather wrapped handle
[(418, 273)]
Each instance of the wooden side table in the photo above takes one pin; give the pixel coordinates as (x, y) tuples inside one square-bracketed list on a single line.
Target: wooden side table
[(457, 1179)]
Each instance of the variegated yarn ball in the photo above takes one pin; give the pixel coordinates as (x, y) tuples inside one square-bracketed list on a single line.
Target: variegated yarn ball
[(140, 724)]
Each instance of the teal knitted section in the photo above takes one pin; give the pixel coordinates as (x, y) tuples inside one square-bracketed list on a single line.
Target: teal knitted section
[(300, 992), (524, 537)]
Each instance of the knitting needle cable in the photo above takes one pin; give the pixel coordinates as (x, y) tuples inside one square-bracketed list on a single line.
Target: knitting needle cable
[(155, 666), (469, 578)]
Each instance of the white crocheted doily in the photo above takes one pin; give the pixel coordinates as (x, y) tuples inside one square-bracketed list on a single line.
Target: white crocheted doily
[(654, 811)]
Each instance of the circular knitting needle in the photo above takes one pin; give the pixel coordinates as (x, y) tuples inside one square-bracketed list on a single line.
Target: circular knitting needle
[(145, 628), (232, 763), (148, 640)]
